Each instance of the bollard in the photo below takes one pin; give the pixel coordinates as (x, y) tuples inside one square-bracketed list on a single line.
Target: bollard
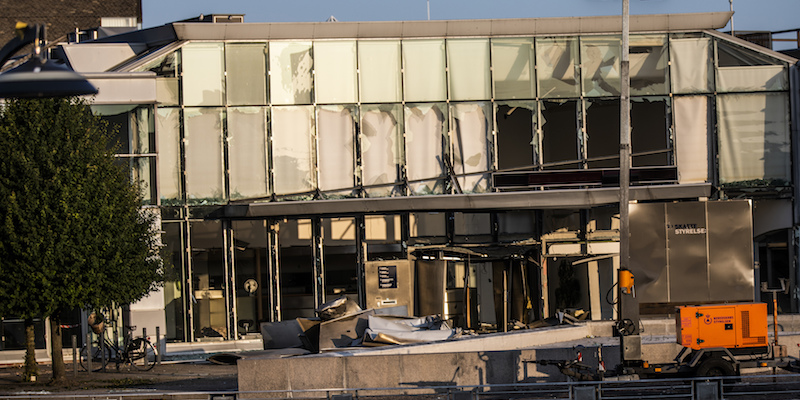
[(89, 352), (74, 356), (144, 336), (158, 345)]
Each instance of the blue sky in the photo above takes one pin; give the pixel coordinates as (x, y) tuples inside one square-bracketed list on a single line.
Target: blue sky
[(771, 15)]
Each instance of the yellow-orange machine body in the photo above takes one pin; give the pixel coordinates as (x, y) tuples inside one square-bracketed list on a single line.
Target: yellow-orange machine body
[(730, 326)]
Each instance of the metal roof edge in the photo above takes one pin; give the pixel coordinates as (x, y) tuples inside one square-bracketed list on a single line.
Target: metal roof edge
[(752, 46)]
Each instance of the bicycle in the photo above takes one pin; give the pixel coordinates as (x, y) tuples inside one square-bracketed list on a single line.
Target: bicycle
[(138, 352)]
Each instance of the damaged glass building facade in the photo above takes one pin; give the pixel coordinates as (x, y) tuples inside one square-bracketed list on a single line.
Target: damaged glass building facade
[(463, 168)]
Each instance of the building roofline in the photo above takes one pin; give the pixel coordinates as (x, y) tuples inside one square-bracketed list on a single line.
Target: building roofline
[(752, 46)]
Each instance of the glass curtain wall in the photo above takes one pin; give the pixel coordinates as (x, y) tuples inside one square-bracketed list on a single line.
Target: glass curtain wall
[(208, 279)]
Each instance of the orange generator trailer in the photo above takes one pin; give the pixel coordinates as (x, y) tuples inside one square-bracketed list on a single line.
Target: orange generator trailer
[(731, 326)]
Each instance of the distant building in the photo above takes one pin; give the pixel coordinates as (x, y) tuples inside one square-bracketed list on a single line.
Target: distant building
[(432, 164)]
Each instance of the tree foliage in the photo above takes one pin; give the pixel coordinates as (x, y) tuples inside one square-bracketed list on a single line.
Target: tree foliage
[(72, 230)]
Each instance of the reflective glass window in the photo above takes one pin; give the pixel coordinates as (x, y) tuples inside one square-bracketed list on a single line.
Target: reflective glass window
[(336, 130), (246, 73), (174, 304), (426, 141), (468, 66), (648, 64), (203, 151), (168, 124), (379, 69), (208, 280), (203, 74), (335, 72), (424, 70), (471, 130), (556, 67), (290, 66), (292, 152), (513, 68), (247, 152), (600, 58), (381, 148)]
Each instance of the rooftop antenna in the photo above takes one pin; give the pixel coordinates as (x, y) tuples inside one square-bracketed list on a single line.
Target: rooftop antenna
[(731, 4), (429, 9)]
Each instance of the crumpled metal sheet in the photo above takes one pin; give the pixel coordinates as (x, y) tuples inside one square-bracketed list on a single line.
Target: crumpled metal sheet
[(388, 330)]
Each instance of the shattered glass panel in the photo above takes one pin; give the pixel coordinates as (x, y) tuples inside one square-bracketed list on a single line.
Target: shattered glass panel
[(602, 132), (471, 130), (169, 155), (203, 74), (650, 141), (731, 55), (600, 58), (424, 69), (426, 140), (513, 68), (556, 67), (559, 134), (335, 72), (336, 130), (754, 145), (381, 148), (247, 152), (516, 143), (290, 65), (648, 64), (379, 69), (690, 65), (292, 153), (246, 74), (468, 64), (203, 151)]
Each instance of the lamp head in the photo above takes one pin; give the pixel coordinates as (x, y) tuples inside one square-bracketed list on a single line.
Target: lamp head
[(38, 78)]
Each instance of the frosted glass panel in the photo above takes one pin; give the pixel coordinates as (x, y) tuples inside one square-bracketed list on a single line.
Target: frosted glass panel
[(290, 65), (468, 63), (424, 70), (512, 68), (690, 65), (470, 132), (379, 67), (203, 150), (426, 133), (203, 68), (335, 72), (754, 138), (691, 138), (169, 155), (246, 73), (292, 157), (381, 151), (556, 67), (247, 152), (600, 60), (748, 79), (648, 64), (336, 127)]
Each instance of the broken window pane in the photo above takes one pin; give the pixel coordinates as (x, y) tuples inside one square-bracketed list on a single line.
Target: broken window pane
[(203, 151), (515, 139), (471, 129), (690, 63), (602, 131), (335, 72), (169, 155), (513, 68), (468, 64), (336, 129), (648, 64), (650, 144), (292, 157), (247, 152), (203, 68), (379, 69), (556, 67), (691, 136), (600, 57), (559, 134), (381, 148), (426, 140), (754, 147), (424, 70), (290, 65), (731, 55), (246, 74)]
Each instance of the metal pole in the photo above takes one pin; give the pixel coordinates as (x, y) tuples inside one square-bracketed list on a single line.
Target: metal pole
[(89, 352), (74, 355), (624, 142), (158, 343)]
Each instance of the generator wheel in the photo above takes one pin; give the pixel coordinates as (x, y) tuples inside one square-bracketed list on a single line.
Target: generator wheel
[(715, 366)]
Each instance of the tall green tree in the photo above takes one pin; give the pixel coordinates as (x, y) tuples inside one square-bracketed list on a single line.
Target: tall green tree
[(72, 230)]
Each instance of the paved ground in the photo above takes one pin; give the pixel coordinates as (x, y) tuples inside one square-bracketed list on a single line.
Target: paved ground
[(171, 377)]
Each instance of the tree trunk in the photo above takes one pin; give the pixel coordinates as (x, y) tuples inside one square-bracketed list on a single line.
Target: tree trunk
[(59, 370), (31, 368)]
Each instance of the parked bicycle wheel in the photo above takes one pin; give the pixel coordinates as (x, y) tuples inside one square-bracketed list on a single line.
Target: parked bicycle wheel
[(99, 359), (141, 354)]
